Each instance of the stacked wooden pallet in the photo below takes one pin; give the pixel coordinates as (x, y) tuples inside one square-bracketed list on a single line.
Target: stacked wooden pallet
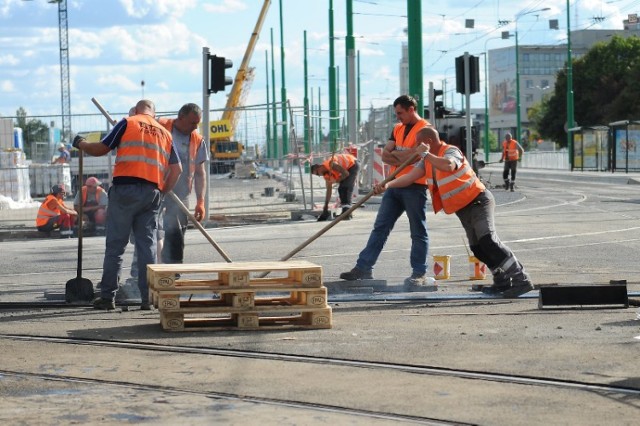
[(215, 296)]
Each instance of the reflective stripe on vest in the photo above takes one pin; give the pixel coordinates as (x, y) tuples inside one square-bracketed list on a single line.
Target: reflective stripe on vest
[(44, 213), (454, 190), (194, 143), (407, 143), (345, 160), (144, 150), (511, 150)]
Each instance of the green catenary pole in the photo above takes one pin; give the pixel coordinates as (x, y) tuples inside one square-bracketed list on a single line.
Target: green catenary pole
[(333, 114), (307, 142), (414, 18), (285, 130)]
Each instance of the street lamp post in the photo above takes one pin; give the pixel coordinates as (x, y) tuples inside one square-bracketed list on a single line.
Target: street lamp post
[(518, 125)]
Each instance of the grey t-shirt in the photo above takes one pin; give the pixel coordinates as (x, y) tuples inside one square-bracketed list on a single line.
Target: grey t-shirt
[(451, 153), (181, 145)]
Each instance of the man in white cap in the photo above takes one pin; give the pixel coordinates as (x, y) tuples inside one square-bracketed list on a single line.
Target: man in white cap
[(64, 157), (94, 201)]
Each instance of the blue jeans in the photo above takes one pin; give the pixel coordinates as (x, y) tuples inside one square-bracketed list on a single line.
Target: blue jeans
[(175, 226), (395, 201), (132, 208)]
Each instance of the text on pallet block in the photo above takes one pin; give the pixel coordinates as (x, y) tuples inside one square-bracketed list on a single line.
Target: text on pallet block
[(232, 300), (240, 274), (313, 319)]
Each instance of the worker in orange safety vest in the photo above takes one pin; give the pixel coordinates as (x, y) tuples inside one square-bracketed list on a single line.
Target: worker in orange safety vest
[(193, 154), (342, 169), (511, 153), (53, 213), (455, 188), (94, 201)]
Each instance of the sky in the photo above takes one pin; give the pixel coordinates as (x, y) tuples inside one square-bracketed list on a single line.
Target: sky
[(114, 45)]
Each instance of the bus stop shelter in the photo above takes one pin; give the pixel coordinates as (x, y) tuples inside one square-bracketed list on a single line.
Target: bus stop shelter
[(590, 148), (624, 152)]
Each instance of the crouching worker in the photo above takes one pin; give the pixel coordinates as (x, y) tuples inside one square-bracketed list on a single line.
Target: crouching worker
[(54, 214), (94, 201), (343, 169), (455, 188)]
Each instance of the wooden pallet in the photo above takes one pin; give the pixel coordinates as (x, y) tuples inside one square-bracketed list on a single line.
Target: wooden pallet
[(234, 299), (298, 317), (215, 296), (241, 274)]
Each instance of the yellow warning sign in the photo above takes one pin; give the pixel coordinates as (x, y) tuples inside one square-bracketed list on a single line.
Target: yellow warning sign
[(220, 129)]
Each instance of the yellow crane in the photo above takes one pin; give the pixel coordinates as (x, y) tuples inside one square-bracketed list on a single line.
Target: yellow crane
[(224, 150)]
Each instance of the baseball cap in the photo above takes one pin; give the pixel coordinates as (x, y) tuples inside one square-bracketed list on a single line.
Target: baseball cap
[(61, 146), (92, 181)]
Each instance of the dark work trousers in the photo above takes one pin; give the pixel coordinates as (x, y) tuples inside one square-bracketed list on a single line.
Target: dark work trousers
[(175, 226), (346, 186), (510, 165), (477, 219)]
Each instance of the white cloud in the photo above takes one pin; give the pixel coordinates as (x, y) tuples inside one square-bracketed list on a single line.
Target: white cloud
[(9, 60), (157, 8), (7, 86), (225, 6), (117, 83)]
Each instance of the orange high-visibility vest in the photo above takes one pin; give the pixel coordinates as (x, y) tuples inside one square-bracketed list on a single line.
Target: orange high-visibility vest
[(45, 212), (510, 151), (99, 193), (144, 150), (407, 143), (454, 190), (345, 160), (195, 139)]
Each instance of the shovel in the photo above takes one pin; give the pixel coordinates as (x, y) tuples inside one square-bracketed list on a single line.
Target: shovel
[(79, 289)]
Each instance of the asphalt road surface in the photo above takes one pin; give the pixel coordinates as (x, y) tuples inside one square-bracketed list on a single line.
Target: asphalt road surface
[(447, 357)]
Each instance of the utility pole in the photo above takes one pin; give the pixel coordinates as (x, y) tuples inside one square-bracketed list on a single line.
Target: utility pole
[(414, 29), (283, 91), (352, 124), (333, 101)]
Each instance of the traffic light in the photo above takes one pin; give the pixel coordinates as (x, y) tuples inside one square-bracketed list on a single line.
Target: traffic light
[(438, 106), (474, 75), (219, 81)]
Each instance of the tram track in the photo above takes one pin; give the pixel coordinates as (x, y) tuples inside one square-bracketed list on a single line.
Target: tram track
[(325, 361)]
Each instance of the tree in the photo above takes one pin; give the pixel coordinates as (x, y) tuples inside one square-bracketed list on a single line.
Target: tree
[(32, 130), (604, 86)]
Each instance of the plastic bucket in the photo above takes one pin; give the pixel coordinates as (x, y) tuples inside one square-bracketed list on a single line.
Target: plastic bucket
[(441, 267), (477, 269)]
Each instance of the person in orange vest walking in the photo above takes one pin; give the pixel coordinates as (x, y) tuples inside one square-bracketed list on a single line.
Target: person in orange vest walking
[(94, 201), (146, 167), (342, 169), (193, 154), (511, 153), (53, 213), (411, 200), (455, 188)]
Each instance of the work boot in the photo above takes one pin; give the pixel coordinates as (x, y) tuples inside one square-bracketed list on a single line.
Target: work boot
[(506, 184), (420, 282), (520, 283), (501, 282), (145, 306), (356, 274), (511, 186), (344, 209), (104, 304)]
